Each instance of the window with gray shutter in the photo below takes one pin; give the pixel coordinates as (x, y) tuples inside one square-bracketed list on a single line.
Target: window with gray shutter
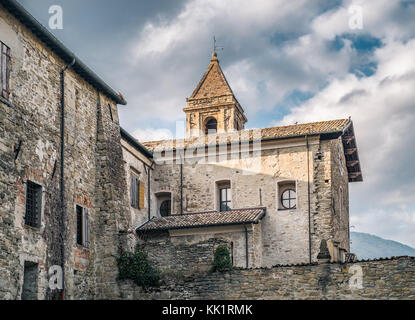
[(4, 70), (135, 189)]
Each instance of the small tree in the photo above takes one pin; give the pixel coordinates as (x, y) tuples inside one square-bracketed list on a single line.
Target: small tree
[(222, 259), (135, 266)]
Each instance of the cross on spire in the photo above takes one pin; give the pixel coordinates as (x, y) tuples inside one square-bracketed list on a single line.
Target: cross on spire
[(215, 47)]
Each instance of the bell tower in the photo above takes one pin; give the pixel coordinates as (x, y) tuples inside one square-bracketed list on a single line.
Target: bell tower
[(212, 106)]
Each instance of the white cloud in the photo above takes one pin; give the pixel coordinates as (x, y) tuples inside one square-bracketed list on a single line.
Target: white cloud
[(382, 108), (150, 134)]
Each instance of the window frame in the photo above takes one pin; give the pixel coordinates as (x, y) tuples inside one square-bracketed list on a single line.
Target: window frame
[(33, 210), (289, 199), (5, 70), (82, 236), (227, 202)]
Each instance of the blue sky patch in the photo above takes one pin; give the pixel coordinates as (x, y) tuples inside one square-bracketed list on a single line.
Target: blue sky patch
[(362, 43)]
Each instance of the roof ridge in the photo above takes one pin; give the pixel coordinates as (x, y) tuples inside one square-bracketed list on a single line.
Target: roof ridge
[(214, 211), (249, 130)]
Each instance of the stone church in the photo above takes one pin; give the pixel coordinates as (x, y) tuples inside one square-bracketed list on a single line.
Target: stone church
[(76, 189)]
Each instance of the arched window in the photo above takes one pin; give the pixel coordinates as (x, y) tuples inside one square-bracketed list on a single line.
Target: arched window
[(165, 208), (211, 126)]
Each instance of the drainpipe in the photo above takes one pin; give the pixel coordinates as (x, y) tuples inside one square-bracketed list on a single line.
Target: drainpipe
[(246, 247), (308, 192), (181, 186), (148, 190), (62, 177)]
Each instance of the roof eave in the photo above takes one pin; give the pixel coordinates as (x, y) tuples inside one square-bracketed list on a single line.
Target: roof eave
[(130, 139), (254, 221)]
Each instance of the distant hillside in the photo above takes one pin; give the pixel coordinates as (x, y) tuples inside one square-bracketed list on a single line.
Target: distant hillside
[(367, 246)]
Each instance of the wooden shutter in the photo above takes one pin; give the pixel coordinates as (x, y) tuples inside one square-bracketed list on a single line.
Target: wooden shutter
[(141, 194), (4, 70)]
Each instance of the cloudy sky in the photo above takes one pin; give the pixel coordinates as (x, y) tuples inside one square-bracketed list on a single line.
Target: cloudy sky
[(286, 61)]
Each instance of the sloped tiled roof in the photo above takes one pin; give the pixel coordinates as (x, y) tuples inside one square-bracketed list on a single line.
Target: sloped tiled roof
[(203, 219), (213, 82), (291, 131)]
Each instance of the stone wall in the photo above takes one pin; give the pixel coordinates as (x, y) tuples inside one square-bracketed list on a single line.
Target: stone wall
[(380, 279), (94, 175), (181, 258)]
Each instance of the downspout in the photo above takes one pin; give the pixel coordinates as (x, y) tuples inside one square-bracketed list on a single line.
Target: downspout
[(308, 193), (181, 185), (62, 178), (246, 247), (149, 191)]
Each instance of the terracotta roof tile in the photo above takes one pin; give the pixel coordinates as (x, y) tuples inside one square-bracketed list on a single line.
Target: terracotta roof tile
[(296, 130), (203, 219)]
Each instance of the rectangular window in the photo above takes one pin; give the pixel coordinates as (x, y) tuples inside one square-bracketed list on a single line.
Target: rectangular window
[(33, 204), (135, 190), (4, 70), (225, 198), (82, 226), (30, 276)]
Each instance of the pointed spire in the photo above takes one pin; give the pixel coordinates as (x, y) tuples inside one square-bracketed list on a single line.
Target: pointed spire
[(213, 82), (214, 56)]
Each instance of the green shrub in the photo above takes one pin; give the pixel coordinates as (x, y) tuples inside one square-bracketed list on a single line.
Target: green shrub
[(222, 259), (136, 267)]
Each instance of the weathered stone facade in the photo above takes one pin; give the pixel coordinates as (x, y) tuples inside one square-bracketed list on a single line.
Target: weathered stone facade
[(30, 150)]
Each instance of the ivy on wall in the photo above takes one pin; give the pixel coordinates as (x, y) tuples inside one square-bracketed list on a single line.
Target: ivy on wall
[(222, 259)]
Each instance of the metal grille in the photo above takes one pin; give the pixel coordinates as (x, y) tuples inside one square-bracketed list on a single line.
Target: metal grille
[(4, 70), (33, 204), (79, 228), (165, 208)]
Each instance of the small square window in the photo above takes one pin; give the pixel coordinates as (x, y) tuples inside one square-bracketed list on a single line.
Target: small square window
[(33, 204)]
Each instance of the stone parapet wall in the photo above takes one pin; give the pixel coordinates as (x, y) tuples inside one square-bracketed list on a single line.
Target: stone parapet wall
[(376, 279)]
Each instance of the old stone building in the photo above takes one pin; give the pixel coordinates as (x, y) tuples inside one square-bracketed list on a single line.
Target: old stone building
[(62, 184), (272, 195), (76, 189)]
